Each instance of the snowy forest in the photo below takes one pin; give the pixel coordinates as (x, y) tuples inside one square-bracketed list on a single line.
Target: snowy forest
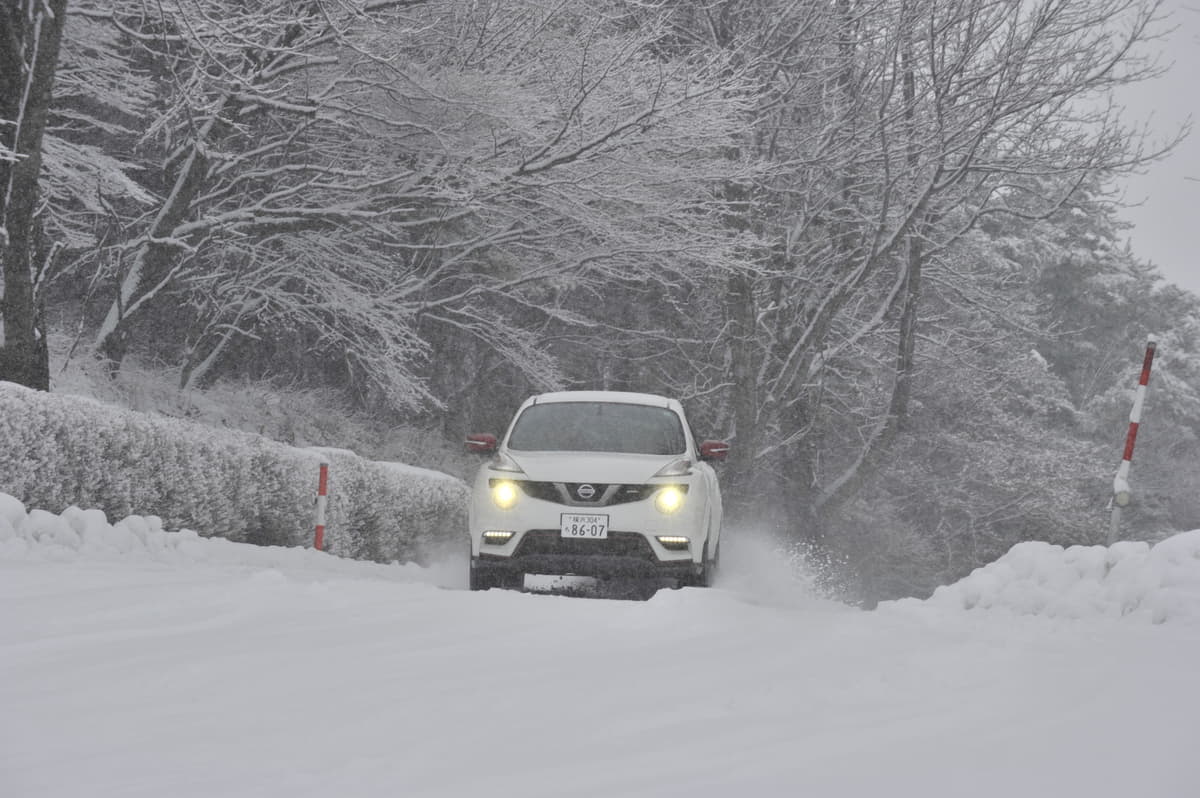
[(876, 244)]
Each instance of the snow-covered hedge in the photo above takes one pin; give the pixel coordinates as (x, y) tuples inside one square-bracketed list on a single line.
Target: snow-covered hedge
[(57, 451)]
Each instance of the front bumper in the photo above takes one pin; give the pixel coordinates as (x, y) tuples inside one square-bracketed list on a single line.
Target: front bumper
[(631, 548), (622, 554)]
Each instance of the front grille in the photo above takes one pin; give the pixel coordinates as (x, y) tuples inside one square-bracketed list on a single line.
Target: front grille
[(625, 494), (551, 542), (546, 491), (568, 493)]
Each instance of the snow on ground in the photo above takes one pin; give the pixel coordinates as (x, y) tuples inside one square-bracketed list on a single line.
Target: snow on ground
[(138, 662)]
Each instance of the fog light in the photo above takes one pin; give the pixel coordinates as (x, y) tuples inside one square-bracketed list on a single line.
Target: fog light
[(504, 493), (669, 499), (497, 537), (673, 542)]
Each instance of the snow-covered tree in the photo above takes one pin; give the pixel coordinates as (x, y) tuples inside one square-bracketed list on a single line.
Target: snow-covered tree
[(896, 128), (360, 190), (30, 35)]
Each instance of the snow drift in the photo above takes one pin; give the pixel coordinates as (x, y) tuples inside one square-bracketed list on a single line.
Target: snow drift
[(86, 535), (1130, 580)]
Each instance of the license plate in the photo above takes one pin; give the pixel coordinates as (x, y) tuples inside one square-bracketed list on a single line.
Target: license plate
[(584, 525)]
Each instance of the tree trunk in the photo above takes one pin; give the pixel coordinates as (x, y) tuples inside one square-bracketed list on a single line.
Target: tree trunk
[(30, 33), (843, 489), (740, 310)]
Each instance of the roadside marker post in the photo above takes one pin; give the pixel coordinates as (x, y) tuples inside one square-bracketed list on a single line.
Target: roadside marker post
[(322, 500), (1121, 490)]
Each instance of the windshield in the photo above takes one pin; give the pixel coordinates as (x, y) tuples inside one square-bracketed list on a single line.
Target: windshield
[(598, 427)]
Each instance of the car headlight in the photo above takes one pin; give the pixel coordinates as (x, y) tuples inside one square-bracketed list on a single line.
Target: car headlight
[(504, 493), (504, 462), (679, 468), (669, 499)]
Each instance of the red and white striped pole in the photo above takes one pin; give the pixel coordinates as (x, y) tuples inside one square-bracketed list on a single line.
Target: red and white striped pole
[(322, 499), (1121, 489)]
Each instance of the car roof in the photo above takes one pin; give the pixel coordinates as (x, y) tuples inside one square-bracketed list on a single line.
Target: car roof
[(616, 397)]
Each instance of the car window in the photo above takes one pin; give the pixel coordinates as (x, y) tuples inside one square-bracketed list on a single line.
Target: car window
[(598, 427)]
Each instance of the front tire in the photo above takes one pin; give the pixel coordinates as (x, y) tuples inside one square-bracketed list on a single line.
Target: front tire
[(709, 577), (713, 567), (484, 578), (707, 574)]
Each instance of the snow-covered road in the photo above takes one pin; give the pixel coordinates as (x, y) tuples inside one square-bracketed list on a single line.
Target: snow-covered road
[(140, 663)]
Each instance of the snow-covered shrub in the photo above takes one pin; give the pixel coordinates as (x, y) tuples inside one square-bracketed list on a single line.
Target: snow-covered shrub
[(57, 451)]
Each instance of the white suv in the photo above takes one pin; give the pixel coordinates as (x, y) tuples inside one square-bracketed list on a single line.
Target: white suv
[(596, 483)]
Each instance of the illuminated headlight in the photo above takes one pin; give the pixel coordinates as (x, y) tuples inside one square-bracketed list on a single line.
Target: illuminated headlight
[(503, 462), (497, 537), (668, 500), (679, 468), (673, 542), (504, 493)]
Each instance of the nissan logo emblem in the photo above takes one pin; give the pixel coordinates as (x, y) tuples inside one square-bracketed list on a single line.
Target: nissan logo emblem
[(585, 491)]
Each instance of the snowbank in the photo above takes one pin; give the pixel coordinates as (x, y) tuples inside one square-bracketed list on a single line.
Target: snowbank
[(1126, 580), (86, 535)]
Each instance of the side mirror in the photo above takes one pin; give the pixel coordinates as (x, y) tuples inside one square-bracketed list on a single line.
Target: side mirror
[(713, 450), (483, 443)]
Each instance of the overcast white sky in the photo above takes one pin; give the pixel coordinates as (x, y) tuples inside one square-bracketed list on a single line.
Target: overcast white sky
[(1167, 222)]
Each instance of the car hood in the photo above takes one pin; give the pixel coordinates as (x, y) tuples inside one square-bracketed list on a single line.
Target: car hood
[(599, 467)]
